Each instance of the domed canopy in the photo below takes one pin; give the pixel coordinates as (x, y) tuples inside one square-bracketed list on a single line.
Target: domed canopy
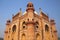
[(30, 6)]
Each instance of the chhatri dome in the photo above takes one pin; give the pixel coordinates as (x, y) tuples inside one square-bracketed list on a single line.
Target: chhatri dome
[(30, 6)]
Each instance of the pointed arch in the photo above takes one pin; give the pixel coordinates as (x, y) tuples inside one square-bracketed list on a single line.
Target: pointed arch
[(23, 37), (24, 25), (14, 28), (36, 25), (37, 36), (46, 28)]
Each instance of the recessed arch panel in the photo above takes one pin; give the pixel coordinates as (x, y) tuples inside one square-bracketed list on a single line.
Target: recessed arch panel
[(14, 28), (46, 28), (23, 37), (37, 36)]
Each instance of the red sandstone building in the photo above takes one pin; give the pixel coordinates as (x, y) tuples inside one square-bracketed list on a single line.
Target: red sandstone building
[(30, 26)]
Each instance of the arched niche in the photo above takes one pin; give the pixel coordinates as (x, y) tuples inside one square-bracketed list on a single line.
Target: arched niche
[(37, 36), (23, 37)]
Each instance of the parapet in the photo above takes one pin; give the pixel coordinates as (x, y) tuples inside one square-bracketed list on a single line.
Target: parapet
[(44, 16), (52, 21)]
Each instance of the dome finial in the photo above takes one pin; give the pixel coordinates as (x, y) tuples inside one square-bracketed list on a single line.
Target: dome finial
[(20, 13), (20, 9), (40, 9), (30, 4)]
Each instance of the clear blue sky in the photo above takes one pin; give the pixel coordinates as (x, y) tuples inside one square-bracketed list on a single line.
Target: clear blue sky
[(9, 7)]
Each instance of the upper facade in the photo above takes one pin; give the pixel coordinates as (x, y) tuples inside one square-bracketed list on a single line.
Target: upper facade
[(30, 26)]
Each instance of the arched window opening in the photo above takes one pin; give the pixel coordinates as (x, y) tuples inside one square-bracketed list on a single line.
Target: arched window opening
[(14, 28), (24, 25), (46, 28), (32, 19), (36, 25), (24, 22), (28, 19), (23, 34)]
